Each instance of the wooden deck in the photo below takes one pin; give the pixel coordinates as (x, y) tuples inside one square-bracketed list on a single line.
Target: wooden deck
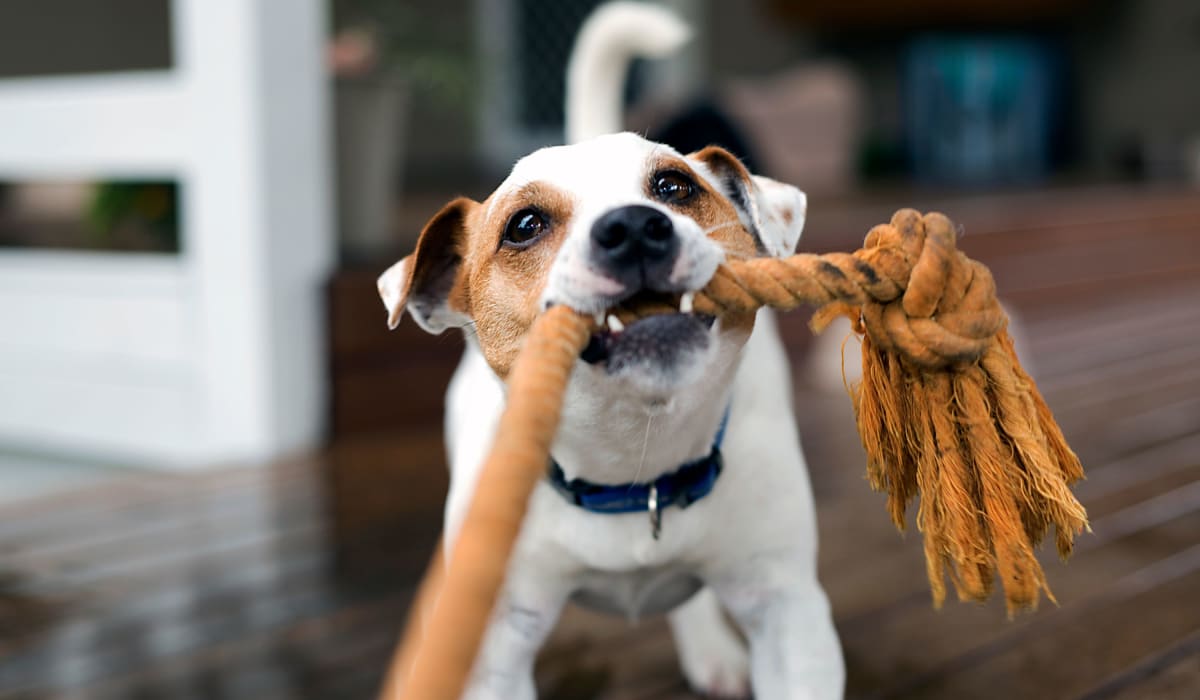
[(292, 581)]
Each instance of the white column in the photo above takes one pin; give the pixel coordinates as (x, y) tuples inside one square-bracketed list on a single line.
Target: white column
[(257, 220)]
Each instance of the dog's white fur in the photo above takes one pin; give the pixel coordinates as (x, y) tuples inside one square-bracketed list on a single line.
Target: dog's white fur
[(751, 542)]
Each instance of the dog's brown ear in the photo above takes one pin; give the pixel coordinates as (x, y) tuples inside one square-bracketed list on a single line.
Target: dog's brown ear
[(772, 211), (425, 282)]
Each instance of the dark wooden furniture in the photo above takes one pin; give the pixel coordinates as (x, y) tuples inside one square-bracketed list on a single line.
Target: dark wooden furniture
[(920, 14)]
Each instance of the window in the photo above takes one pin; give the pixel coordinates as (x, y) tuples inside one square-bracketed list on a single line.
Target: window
[(61, 37), (115, 215)]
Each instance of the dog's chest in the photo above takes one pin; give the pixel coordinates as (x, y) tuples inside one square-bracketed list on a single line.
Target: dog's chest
[(645, 591)]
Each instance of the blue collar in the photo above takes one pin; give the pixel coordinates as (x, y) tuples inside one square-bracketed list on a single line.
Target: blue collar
[(683, 487)]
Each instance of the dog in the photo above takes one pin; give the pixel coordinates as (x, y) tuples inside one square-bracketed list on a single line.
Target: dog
[(677, 481)]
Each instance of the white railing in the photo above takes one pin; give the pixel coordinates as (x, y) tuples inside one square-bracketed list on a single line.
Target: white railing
[(213, 355)]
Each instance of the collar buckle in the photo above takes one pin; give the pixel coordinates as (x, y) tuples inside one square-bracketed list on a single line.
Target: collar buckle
[(655, 512)]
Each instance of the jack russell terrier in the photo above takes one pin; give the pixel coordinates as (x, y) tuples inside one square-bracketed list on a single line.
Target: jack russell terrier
[(677, 482)]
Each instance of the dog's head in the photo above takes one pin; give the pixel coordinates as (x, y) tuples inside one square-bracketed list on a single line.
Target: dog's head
[(615, 223)]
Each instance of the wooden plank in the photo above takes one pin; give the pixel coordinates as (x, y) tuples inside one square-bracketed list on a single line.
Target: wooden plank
[(1034, 245), (292, 649), (1139, 464), (273, 572), (174, 502), (1173, 672), (858, 542), (904, 651), (1139, 390), (188, 504), (841, 225), (856, 531), (860, 602), (1150, 308), (1057, 358), (1091, 288), (1146, 296), (227, 602), (1149, 607), (137, 487)]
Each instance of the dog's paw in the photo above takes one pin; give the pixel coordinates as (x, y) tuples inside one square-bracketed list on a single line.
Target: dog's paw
[(716, 665)]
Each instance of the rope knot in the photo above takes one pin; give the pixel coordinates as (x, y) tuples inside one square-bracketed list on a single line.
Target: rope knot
[(946, 312)]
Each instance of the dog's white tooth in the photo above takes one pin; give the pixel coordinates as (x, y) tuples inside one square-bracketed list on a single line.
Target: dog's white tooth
[(599, 318), (614, 324), (686, 302)]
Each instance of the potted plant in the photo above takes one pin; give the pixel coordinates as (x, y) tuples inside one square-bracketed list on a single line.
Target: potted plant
[(382, 53)]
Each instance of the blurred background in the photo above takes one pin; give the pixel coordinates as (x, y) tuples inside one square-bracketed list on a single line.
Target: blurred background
[(220, 476)]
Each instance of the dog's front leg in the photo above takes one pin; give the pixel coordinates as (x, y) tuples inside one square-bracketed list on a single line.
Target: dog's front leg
[(794, 650), (504, 668), (537, 587)]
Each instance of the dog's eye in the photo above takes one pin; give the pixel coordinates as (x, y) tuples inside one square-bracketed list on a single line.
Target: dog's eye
[(673, 187), (524, 228)]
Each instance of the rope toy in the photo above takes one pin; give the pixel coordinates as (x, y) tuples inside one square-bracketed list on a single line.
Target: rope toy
[(944, 410)]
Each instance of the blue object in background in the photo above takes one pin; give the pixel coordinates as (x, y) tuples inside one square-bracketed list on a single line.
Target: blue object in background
[(981, 111)]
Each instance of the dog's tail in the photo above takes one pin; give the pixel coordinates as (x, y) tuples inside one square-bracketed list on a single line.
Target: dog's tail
[(614, 35)]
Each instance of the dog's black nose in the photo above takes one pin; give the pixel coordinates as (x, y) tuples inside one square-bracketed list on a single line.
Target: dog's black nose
[(634, 235)]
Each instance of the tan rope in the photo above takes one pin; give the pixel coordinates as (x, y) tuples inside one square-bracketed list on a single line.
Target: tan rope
[(421, 606), (475, 568), (944, 410)]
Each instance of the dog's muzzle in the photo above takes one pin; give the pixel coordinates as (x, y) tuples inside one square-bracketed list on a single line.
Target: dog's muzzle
[(637, 246)]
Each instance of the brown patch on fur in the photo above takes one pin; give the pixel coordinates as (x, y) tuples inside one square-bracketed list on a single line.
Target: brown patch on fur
[(788, 215), (438, 256), (504, 284), (738, 242), (714, 212), (709, 208)]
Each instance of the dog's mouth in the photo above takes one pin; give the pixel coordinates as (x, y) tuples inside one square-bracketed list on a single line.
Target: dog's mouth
[(648, 328)]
